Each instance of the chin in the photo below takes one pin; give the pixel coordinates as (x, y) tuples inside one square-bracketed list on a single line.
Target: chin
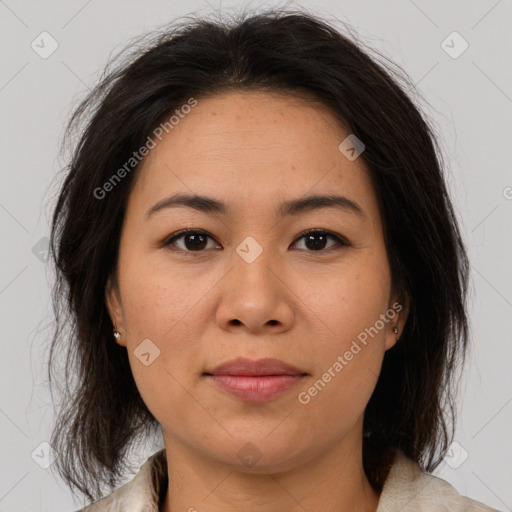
[(261, 455)]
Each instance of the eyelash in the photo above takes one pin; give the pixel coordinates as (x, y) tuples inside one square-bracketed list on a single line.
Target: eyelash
[(341, 242)]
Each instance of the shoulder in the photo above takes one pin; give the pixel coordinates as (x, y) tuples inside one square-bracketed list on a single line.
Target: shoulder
[(407, 488), (141, 494)]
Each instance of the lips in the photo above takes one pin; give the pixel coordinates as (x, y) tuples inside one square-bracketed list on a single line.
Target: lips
[(248, 368), (255, 381)]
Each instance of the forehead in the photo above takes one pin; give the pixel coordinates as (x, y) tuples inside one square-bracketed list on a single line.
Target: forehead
[(254, 146)]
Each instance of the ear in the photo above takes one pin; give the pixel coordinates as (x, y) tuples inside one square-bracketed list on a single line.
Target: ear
[(115, 309), (397, 313)]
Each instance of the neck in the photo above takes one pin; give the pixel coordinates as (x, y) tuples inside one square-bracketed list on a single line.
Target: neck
[(334, 480)]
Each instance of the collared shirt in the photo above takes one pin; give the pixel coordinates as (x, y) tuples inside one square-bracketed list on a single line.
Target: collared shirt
[(406, 489)]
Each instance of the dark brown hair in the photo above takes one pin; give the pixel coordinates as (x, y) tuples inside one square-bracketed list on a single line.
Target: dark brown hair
[(296, 53)]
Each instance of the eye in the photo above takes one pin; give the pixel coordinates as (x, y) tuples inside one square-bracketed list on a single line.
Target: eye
[(315, 240), (194, 240)]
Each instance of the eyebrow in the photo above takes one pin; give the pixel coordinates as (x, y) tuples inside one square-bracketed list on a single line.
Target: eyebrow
[(293, 207)]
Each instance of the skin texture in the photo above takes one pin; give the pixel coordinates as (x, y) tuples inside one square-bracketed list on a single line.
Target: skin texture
[(253, 150)]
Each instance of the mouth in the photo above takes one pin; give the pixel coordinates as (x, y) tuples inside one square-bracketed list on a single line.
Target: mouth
[(255, 381)]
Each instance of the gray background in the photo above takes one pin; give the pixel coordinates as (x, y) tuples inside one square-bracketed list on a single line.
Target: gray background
[(470, 102)]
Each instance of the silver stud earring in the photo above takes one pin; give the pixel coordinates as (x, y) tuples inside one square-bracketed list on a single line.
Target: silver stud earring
[(395, 330), (117, 335)]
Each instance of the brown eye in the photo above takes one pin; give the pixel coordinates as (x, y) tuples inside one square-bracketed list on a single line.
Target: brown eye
[(316, 240), (192, 240)]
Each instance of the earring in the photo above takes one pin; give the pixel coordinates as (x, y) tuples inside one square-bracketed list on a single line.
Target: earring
[(395, 330), (117, 335)]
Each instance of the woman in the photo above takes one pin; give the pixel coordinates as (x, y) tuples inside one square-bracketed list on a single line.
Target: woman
[(261, 263)]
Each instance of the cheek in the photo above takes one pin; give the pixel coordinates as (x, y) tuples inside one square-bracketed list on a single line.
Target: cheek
[(167, 315), (350, 344), (349, 300), (160, 310), (162, 346), (156, 296)]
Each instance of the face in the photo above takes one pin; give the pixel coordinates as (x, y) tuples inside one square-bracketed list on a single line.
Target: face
[(251, 280)]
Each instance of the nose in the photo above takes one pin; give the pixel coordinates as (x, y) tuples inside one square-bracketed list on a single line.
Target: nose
[(255, 296)]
